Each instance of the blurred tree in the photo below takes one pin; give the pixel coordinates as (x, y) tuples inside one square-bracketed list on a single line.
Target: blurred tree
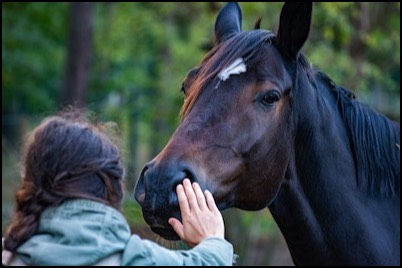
[(79, 53), (33, 53)]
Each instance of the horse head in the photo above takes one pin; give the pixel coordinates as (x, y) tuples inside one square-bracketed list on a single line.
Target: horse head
[(235, 133)]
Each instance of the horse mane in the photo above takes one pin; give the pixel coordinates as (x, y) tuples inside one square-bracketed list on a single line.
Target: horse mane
[(375, 142)]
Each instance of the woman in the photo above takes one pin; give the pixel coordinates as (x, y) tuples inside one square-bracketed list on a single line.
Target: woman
[(67, 208)]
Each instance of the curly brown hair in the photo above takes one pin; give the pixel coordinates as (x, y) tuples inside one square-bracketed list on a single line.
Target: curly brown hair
[(65, 158)]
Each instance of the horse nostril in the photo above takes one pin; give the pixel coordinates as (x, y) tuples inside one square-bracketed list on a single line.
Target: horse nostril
[(144, 170), (189, 174), (185, 173), (139, 189)]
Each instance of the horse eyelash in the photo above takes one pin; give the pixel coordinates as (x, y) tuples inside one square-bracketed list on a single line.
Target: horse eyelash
[(257, 24), (183, 88)]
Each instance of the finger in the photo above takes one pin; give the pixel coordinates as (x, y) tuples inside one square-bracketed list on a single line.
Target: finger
[(177, 226), (200, 196), (182, 198), (192, 200), (211, 201)]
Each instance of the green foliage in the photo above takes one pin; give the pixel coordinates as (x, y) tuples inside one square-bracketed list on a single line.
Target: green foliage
[(359, 48), (33, 52)]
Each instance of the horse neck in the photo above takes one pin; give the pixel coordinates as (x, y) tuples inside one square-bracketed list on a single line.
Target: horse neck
[(303, 208), (319, 199)]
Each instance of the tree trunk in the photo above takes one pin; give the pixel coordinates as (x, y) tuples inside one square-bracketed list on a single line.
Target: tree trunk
[(79, 51)]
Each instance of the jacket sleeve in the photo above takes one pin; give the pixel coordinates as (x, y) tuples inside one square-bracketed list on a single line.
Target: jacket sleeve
[(212, 251)]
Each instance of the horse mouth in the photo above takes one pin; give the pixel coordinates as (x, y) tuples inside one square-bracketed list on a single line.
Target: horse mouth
[(159, 225), (166, 233)]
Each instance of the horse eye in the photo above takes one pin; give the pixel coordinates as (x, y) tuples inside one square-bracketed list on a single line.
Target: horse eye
[(270, 97)]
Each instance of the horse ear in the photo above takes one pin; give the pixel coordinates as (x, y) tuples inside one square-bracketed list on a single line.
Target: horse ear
[(294, 27), (228, 22)]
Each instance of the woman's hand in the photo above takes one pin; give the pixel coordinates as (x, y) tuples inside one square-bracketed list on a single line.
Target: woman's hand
[(201, 217)]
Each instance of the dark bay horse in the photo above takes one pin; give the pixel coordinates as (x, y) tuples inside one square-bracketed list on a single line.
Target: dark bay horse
[(261, 128)]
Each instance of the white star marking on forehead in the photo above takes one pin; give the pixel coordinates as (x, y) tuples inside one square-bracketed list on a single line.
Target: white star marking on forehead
[(237, 67)]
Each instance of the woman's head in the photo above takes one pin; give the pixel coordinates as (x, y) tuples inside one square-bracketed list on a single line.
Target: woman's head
[(64, 158)]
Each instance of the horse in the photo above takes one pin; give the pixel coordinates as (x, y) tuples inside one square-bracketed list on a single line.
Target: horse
[(261, 128)]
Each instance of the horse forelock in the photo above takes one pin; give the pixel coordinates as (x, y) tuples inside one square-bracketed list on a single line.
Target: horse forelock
[(245, 46)]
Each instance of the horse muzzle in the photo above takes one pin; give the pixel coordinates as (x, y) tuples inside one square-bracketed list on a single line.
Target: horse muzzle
[(156, 193)]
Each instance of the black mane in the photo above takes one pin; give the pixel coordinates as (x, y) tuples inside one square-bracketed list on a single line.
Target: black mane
[(375, 142)]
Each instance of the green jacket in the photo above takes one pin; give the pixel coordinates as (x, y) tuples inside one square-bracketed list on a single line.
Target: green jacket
[(83, 232)]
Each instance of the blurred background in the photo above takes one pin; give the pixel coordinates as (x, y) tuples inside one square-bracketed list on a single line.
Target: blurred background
[(124, 62)]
